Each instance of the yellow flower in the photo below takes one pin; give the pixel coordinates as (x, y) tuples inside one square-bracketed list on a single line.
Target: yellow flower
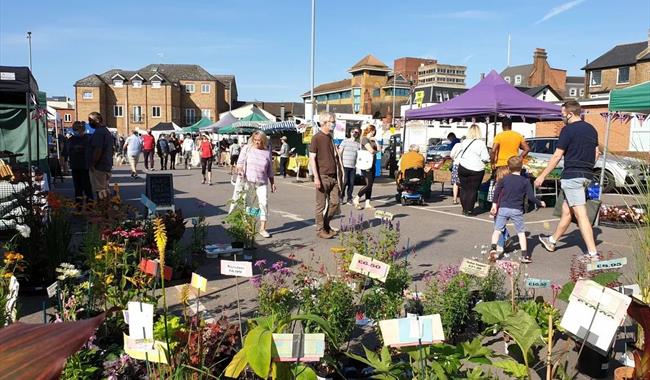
[(160, 236), (8, 275), (108, 279)]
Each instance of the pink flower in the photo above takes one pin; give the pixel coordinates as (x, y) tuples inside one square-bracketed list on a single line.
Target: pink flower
[(260, 263)]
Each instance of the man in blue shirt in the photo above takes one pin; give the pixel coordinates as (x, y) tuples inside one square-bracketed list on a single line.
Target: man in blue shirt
[(101, 156), (578, 144), (133, 149)]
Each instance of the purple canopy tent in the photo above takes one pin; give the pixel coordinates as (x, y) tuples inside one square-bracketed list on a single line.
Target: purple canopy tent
[(491, 98)]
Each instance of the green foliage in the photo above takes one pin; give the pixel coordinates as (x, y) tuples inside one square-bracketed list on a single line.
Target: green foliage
[(174, 328), (513, 368), (83, 365), (451, 301), (241, 225), (491, 287), (384, 368), (540, 310), (379, 304), (332, 301), (603, 279)]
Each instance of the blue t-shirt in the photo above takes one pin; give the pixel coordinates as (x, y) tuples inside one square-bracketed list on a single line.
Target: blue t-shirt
[(579, 141)]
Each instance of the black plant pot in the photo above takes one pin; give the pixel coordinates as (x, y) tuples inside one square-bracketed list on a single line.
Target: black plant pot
[(237, 244), (593, 364)]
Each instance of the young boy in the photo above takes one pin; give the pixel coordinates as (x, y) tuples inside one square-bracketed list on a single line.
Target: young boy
[(509, 197)]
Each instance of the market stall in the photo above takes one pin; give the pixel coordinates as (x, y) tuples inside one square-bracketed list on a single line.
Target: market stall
[(490, 100), (199, 125)]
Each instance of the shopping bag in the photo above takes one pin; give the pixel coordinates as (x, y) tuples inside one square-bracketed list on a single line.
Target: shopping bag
[(364, 160), (196, 159)]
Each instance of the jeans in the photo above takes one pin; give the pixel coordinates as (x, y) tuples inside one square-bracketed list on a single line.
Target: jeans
[(348, 184), (470, 181), (81, 181), (172, 158), (327, 202), (163, 160), (283, 166), (148, 158), (370, 180)]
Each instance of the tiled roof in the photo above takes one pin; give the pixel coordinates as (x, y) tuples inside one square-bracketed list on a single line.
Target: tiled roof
[(170, 73), (224, 79), (575, 80), (512, 71), (330, 87), (619, 55), (369, 62), (92, 80), (401, 82)]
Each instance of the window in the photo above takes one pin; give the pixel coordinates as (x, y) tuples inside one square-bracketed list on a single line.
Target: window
[(137, 114), (189, 88), (595, 78), (623, 75), (321, 98), (334, 96), (67, 118), (117, 111), (346, 94), (155, 84), (582, 92), (438, 97), (377, 93), (205, 88), (356, 101), (137, 83), (573, 91), (205, 113), (118, 83), (401, 92), (87, 95), (507, 79), (190, 116), (155, 111), (445, 95), (517, 79)]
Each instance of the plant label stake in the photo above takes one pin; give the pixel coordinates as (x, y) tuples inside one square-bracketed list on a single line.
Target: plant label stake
[(237, 269)]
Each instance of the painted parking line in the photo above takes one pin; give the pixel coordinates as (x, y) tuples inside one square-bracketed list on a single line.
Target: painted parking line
[(289, 215)]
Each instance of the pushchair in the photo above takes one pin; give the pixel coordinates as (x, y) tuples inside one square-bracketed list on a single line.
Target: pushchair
[(409, 187)]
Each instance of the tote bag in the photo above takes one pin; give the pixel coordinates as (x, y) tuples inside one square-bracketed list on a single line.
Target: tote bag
[(364, 159)]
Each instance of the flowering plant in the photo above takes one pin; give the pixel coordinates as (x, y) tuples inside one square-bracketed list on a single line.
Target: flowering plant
[(275, 295)]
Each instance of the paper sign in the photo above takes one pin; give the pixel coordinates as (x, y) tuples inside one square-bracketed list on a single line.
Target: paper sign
[(152, 267), (51, 290), (369, 267), (199, 282), (298, 347), (419, 98), (154, 352), (607, 264), (7, 75), (383, 215), (474, 268), (148, 203), (537, 283), (412, 331), (237, 268), (140, 320), (589, 302)]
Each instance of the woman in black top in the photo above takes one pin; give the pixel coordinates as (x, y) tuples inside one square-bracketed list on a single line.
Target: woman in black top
[(174, 147), (368, 144), (79, 155)]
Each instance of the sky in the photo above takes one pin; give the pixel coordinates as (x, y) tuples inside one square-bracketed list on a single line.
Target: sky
[(266, 44)]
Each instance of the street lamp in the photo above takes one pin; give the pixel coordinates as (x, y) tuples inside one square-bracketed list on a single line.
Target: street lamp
[(29, 38)]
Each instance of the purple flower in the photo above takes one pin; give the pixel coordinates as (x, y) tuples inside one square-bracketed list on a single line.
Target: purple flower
[(277, 265), (256, 281), (285, 271), (260, 263)]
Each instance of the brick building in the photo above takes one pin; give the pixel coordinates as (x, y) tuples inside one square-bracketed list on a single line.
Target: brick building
[(156, 93), (622, 66), (65, 111), (540, 73), (408, 67), (440, 74)]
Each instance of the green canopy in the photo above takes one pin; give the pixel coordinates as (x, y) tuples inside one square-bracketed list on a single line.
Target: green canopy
[(194, 128), (233, 130), (631, 99)]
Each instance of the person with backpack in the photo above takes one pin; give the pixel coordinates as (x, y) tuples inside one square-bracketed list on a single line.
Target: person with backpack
[(163, 151)]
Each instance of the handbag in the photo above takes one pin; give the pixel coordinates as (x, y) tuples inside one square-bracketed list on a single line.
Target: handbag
[(364, 160), (593, 208)]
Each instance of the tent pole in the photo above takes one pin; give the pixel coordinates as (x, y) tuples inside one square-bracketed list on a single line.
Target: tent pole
[(29, 137), (602, 170)]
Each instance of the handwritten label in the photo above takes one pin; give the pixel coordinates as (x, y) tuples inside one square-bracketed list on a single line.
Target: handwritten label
[(537, 283), (298, 347), (384, 215), (404, 332), (51, 290), (607, 264), (369, 267), (237, 268), (474, 268)]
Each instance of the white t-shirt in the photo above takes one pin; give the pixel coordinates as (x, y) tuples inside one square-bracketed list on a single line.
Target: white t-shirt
[(473, 154)]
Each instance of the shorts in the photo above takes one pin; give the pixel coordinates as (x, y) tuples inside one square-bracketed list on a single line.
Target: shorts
[(233, 159), (99, 180), (510, 214), (575, 191)]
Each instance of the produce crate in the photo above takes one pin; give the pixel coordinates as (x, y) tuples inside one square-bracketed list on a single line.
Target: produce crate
[(441, 175)]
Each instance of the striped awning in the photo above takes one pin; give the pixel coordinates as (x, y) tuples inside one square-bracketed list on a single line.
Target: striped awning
[(279, 127)]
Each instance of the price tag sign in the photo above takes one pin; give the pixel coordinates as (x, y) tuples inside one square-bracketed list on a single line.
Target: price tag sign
[(384, 215), (537, 283), (474, 268), (253, 211), (607, 264), (237, 268), (51, 290), (369, 267)]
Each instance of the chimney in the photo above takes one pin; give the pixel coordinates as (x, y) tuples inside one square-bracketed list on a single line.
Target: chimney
[(482, 76), (538, 76)]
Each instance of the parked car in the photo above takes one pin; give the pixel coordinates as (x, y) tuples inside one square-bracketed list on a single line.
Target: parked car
[(439, 151), (619, 171)]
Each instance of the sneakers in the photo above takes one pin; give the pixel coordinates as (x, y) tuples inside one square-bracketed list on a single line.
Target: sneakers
[(368, 205), (526, 260), (546, 242), (355, 202), (334, 229), (265, 234)]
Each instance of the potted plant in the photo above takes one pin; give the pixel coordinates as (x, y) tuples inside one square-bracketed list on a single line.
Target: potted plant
[(324, 371), (241, 225)]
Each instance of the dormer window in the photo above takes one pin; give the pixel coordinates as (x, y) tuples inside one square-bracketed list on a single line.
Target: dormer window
[(118, 83), (507, 79), (517, 79), (137, 83), (155, 84)]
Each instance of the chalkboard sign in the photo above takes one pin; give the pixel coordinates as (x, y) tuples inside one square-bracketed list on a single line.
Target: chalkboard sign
[(160, 189)]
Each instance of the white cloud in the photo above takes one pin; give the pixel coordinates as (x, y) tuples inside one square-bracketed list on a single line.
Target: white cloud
[(559, 10), (464, 15), (467, 58)]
